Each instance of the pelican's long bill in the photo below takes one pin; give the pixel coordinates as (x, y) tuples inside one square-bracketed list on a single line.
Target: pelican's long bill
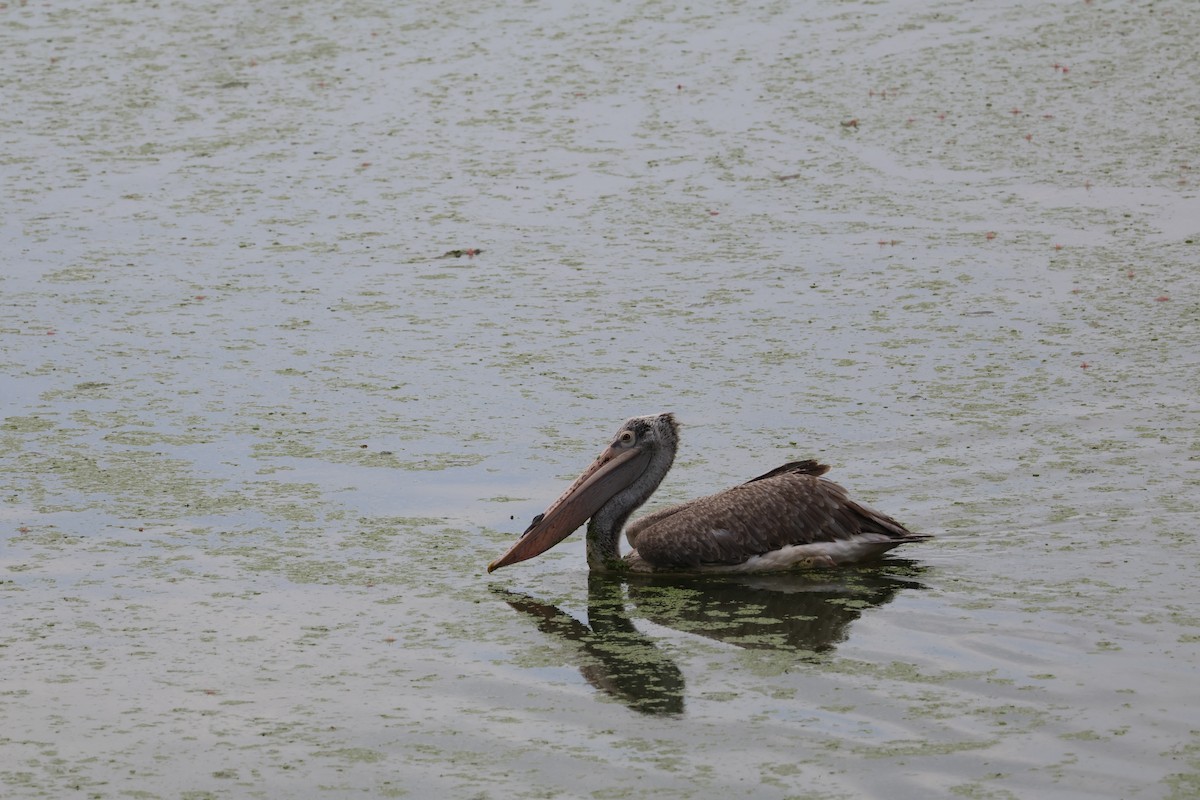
[(614, 470)]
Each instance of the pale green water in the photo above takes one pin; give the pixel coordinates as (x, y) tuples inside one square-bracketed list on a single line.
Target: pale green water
[(258, 438)]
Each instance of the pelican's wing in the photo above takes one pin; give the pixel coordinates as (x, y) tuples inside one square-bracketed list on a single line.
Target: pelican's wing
[(784, 507), (808, 467)]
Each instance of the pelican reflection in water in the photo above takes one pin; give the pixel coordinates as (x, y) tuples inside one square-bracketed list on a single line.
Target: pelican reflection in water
[(787, 518), (804, 614)]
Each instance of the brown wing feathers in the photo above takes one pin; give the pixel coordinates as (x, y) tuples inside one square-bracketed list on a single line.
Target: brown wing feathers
[(788, 505), (807, 467)]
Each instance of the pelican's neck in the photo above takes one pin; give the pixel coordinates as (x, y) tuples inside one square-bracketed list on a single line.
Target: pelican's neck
[(604, 528), (604, 539)]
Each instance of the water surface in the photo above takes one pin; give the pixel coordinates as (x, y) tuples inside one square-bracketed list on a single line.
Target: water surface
[(262, 426)]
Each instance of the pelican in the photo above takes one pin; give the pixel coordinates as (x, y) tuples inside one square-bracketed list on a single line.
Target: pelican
[(787, 518)]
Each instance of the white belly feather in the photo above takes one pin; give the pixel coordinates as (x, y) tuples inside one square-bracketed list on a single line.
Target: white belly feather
[(863, 547)]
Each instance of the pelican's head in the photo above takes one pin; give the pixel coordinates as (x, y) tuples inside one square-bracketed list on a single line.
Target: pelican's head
[(625, 474)]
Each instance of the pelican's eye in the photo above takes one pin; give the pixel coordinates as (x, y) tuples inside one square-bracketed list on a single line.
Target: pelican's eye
[(626, 438)]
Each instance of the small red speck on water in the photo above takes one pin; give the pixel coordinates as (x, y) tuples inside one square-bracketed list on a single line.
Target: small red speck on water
[(51, 333), (1047, 116), (990, 235), (1058, 247), (1162, 299), (364, 165), (1065, 70), (1085, 365), (679, 87), (210, 691), (909, 121), (389, 639), (1016, 112), (1087, 184), (22, 529), (200, 297), (252, 63), (1029, 137), (1129, 274), (712, 213), (942, 117)]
